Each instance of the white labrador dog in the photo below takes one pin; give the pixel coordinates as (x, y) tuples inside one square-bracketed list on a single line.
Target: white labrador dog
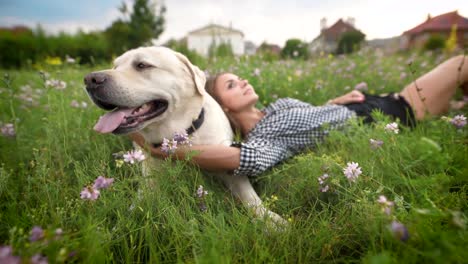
[(158, 92)]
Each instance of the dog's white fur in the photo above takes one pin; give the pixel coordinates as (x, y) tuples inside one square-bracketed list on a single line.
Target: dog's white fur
[(173, 78)]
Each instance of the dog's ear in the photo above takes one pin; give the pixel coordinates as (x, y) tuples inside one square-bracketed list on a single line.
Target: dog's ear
[(198, 76)]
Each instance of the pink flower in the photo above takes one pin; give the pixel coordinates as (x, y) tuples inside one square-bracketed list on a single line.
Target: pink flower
[(362, 86), (102, 182), (89, 193), (352, 171)]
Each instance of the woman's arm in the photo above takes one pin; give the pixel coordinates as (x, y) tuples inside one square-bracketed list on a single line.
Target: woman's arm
[(208, 157), (354, 96)]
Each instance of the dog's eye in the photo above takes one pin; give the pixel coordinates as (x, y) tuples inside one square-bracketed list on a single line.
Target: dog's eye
[(142, 66)]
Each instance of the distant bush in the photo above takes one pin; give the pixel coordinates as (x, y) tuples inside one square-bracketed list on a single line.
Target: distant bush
[(193, 56), (434, 42), (268, 52), (295, 49), (350, 41), (27, 47), (221, 50)]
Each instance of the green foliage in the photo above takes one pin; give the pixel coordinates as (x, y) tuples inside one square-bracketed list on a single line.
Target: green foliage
[(350, 41), (33, 47), (267, 53), (434, 42), (295, 49), (220, 50), (118, 34), (193, 56)]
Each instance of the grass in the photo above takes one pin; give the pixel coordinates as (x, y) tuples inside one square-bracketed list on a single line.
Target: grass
[(55, 153)]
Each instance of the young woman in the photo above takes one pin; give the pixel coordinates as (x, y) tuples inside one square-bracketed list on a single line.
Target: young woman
[(288, 126)]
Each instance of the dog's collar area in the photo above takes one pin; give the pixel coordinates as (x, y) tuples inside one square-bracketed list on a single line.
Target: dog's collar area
[(196, 124)]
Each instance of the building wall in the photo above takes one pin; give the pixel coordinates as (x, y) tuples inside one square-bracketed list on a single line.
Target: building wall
[(201, 43)]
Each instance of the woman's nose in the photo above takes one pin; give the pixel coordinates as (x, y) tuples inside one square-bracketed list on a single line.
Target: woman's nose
[(244, 82)]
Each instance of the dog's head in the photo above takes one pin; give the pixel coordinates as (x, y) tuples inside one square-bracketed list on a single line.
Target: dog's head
[(144, 86)]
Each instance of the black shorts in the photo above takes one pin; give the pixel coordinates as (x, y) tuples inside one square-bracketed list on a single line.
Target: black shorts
[(391, 104)]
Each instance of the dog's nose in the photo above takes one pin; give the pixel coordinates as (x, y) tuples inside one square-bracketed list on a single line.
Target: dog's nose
[(94, 79)]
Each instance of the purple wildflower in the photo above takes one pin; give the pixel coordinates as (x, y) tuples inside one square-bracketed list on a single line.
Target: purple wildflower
[(168, 146), (36, 234), (7, 257), (102, 182), (458, 121), (386, 204), (375, 143), (399, 230), (39, 259), (8, 130), (362, 86), (182, 138), (89, 193), (5, 251), (352, 171)]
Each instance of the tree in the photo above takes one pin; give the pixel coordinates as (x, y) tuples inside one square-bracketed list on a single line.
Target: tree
[(350, 41), (435, 42), (295, 48), (146, 22)]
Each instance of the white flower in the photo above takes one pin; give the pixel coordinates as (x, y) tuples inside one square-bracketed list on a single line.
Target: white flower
[(392, 127), (201, 192), (134, 156)]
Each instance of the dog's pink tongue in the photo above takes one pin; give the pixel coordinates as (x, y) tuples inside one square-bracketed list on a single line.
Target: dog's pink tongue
[(110, 121)]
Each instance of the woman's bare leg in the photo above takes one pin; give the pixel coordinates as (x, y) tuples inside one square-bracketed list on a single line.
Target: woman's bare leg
[(431, 93)]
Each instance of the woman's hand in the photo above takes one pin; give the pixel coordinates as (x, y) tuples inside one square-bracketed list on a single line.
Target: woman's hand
[(140, 140), (354, 96)]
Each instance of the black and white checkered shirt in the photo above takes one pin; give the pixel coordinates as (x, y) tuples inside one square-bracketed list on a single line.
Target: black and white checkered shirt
[(288, 127)]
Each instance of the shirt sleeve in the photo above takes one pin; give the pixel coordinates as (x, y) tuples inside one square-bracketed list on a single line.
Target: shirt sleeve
[(257, 157)]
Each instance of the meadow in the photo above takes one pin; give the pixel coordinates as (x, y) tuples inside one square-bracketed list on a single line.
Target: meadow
[(409, 205)]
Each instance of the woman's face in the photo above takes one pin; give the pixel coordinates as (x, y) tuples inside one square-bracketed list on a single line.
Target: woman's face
[(234, 93)]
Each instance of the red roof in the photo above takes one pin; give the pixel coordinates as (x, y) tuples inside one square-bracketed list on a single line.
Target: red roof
[(334, 31), (442, 22)]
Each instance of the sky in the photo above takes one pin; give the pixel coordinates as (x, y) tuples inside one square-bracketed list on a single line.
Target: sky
[(273, 21)]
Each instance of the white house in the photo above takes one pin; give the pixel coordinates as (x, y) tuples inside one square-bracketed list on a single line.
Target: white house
[(200, 40)]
